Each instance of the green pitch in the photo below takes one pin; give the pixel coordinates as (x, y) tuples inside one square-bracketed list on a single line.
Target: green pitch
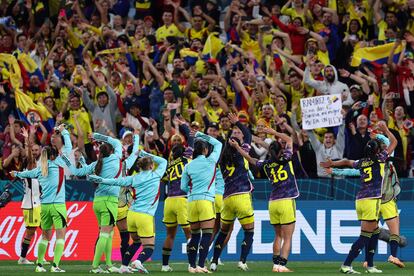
[(256, 268)]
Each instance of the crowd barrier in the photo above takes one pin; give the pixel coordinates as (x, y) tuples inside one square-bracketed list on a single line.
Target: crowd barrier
[(325, 229)]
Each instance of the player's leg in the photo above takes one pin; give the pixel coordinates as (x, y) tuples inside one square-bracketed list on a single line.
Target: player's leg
[(132, 221), (277, 243), (245, 214), (46, 223), (122, 226), (28, 235), (106, 222), (170, 222), (167, 247), (394, 227), (227, 217), (146, 231), (286, 233), (367, 212), (207, 220), (59, 221), (32, 221)]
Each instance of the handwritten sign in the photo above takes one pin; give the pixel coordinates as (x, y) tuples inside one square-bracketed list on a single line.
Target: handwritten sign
[(321, 111)]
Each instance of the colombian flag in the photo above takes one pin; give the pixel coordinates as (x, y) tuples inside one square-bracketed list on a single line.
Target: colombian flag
[(376, 55), (10, 69), (212, 46), (28, 69), (189, 56), (31, 112)]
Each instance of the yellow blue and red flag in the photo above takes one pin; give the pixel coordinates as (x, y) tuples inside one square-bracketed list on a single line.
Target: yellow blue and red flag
[(376, 55)]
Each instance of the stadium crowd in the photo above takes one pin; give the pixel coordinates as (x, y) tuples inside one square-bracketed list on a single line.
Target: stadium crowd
[(112, 67)]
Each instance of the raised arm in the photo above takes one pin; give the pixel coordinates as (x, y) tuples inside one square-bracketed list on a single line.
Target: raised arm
[(115, 143), (161, 162), (242, 152), (217, 145), (185, 179), (84, 170), (134, 154), (393, 141), (284, 137)]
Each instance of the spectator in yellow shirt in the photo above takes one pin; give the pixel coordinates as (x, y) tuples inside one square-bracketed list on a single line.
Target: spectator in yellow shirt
[(168, 29)]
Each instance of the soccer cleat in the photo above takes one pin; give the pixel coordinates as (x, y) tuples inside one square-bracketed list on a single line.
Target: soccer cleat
[(213, 267), (40, 268), (56, 269), (373, 270), (125, 270), (166, 268), (348, 270), (396, 261), (220, 262), (24, 261), (275, 268), (192, 269), (113, 269), (98, 270), (200, 269), (132, 269), (138, 265), (243, 266)]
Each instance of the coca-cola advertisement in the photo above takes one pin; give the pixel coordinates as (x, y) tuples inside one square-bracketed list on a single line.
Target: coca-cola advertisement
[(82, 231)]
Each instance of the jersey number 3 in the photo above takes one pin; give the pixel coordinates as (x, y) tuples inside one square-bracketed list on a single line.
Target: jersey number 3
[(368, 172)]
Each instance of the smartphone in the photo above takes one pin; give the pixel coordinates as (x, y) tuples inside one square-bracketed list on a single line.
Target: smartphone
[(364, 104)]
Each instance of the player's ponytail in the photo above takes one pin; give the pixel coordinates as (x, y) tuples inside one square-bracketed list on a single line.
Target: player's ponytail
[(104, 151), (46, 154)]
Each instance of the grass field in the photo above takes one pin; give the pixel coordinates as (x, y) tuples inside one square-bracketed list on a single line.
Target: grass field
[(256, 268)]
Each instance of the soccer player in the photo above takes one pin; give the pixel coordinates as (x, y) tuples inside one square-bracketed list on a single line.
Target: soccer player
[(125, 198), (282, 207), (31, 199), (198, 181), (175, 206), (368, 198), (388, 207), (237, 202), (50, 175), (141, 224), (105, 202)]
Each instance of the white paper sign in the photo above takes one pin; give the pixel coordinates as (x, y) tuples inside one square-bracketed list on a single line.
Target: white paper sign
[(321, 111)]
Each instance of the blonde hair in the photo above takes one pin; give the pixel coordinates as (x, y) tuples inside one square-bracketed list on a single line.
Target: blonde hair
[(43, 162)]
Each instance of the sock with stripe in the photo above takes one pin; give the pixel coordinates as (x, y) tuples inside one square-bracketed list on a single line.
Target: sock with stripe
[(108, 249), (246, 244), (192, 247), (124, 242), (204, 246), (146, 253), (130, 252), (372, 246), (357, 246), (166, 253), (218, 246), (276, 259), (25, 247), (100, 249), (41, 251), (59, 247), (394, 243)]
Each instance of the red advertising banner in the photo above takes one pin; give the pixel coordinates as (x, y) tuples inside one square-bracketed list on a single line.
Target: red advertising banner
[(81, 234)]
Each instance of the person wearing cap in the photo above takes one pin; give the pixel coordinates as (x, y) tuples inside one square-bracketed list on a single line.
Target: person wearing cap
[(197, 29)]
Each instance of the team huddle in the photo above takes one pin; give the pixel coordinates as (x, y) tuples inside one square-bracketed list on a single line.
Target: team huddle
[(209, 187)]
